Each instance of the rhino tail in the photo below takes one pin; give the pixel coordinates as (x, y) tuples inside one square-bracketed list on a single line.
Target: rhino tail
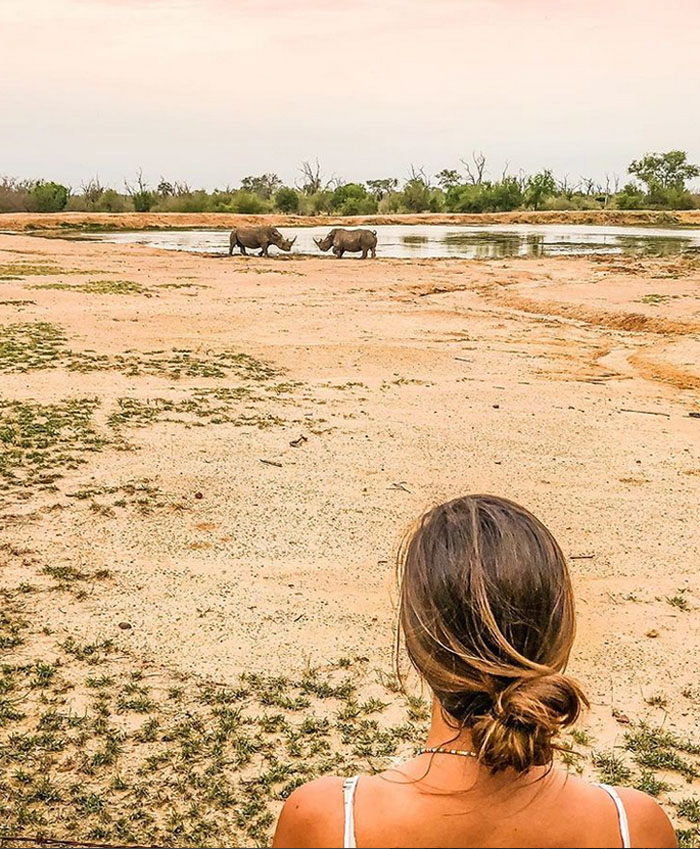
[(374, 232)]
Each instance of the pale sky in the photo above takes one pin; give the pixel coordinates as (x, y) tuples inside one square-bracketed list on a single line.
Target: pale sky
[(209, 91)]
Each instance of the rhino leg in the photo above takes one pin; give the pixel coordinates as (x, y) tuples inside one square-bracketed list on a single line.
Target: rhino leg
[(243, 250), (364, 253), (265, 246), (374, 253)]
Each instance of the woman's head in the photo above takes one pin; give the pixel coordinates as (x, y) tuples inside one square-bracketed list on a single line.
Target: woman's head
[(487, 616)]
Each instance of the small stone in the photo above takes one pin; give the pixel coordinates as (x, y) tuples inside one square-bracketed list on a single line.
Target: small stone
[(198, 495), (653, 633), (496, 406), (125, 626), (620, 717)]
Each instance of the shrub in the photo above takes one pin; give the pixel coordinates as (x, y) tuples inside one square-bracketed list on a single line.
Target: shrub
[(416, 195), (631, 197), (248, 203), (48, 197), (673, 197), (112, 201), (316, 203), (287, 200)]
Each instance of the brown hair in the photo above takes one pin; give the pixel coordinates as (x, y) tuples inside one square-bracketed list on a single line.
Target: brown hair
[(487, 617)]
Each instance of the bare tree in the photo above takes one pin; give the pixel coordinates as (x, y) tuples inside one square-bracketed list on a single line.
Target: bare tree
[(505, 170), (476, 177), (312, 181), (589, 185), (92, 190), (141, 185), (417, 175)]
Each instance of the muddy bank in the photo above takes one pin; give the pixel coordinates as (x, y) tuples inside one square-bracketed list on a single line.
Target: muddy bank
[(18, 222)]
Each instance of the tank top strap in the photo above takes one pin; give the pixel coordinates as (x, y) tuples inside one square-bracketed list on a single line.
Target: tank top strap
[(349, 786), (621, 815)]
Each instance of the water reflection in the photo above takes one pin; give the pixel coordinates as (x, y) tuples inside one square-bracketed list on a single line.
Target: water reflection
[(432, 240)]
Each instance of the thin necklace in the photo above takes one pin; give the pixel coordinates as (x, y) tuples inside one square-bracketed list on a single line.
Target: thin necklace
[(439, 750)]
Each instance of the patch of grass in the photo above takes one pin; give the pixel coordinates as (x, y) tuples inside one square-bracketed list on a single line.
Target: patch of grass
[(41, 441), (99, 287), (581, 737), (657, 748), (690, 809), (25, 269), (678, 601), (649, 783), (611, 768), (654, 299), (32, 345)]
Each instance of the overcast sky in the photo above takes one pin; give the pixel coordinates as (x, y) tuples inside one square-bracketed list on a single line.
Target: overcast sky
[(209, 91)]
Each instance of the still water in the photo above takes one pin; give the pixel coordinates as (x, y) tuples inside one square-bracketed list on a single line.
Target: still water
[(433, 240)]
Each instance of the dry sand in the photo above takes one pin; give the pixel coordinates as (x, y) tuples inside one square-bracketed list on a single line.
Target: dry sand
[(556, 382)]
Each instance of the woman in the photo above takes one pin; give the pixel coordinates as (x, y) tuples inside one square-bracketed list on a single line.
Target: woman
[(487, 618)]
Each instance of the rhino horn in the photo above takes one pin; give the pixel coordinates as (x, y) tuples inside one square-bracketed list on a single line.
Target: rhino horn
[(292, 242), (317, 242)]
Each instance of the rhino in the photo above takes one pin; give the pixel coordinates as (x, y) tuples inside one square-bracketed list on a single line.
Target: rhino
[(258, 237), (349, 240)]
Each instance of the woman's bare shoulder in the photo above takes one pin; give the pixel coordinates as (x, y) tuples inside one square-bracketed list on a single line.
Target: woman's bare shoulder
[(312, 814), (648, 824)]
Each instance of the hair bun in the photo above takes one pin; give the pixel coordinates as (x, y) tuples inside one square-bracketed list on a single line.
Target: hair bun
[(525, 716)]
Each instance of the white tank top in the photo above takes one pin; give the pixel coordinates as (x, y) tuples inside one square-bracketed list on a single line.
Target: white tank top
[(350, 784)]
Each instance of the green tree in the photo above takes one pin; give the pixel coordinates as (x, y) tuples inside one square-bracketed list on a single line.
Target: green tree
[(448, 178), (265, 185), (416, 195), (381, 188), (48, 197), (668, 170), (348, 191), (538, 188), (287, 200)]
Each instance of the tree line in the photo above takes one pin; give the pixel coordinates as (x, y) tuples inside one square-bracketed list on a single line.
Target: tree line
[(658, 181)]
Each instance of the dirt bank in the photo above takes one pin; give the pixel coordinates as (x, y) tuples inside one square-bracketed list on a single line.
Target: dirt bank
[(164, 220)]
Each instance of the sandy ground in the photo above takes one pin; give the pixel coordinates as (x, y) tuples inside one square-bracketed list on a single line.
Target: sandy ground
[(556, 382), (163, 220)]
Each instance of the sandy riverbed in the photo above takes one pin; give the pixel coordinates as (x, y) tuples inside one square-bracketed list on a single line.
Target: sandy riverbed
[(565, 384)]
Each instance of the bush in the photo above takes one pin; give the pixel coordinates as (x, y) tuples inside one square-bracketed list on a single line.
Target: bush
[(248, 203), (197, 201), (485, 197), (416, 196), (631, 197), (349, 192), (316, 203), (287, 200), (392, 203), (48, 197), (567, 202), (112, 201), (359, 206), (143, 200), (673, 197)]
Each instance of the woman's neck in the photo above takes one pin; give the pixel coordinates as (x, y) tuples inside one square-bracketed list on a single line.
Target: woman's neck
[(443, 734)]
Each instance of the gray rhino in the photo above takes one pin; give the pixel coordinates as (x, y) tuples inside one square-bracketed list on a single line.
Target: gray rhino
[(349, 240), (258, 237)]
